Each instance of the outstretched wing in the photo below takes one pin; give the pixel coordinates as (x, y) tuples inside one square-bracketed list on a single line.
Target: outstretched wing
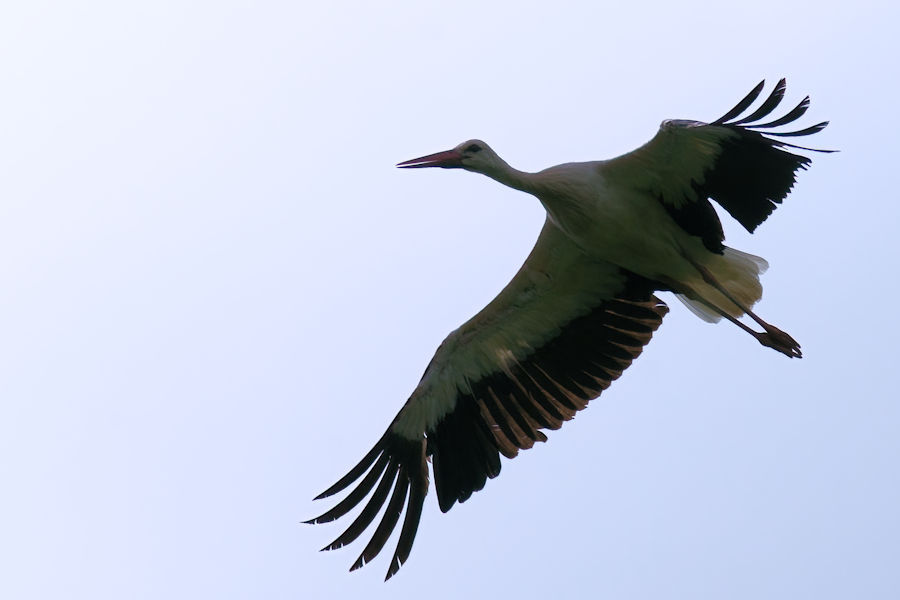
[(563, 329), (738, 162)]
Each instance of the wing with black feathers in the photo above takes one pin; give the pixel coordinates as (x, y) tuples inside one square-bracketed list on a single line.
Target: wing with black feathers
[(738, 162), (564, 328)]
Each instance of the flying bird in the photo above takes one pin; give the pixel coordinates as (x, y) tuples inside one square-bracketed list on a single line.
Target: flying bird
[(582, 306)]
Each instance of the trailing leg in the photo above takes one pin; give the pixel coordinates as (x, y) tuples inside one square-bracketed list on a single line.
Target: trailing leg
[(771, 336)]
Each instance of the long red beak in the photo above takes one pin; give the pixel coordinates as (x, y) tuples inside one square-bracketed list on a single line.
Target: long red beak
[(449, 159)]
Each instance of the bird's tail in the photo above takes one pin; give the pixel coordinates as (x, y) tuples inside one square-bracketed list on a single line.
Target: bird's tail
[(738, 272)]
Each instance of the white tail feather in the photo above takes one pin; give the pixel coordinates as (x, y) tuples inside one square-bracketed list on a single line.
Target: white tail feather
[(700, 309)]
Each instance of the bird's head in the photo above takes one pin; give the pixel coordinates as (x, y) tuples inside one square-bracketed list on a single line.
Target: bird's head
[(471, 155)]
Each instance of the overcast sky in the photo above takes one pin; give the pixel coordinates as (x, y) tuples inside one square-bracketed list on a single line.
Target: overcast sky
[(216, 291)]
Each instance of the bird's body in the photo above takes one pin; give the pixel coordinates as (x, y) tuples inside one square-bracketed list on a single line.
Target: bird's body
[(611, 221), (582, 306)]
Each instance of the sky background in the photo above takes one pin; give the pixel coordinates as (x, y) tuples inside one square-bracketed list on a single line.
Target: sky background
[(216, 291)]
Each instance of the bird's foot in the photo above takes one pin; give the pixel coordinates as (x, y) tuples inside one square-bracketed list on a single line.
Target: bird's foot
[(778, 340)]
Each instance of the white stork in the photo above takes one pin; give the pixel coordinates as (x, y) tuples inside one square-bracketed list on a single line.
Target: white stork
[(582, 307)]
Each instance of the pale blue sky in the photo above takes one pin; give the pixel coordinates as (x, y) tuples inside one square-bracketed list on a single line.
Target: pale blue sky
[(217, 291)]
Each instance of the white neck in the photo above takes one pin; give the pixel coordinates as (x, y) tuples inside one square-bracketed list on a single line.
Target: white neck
[(508, 176)]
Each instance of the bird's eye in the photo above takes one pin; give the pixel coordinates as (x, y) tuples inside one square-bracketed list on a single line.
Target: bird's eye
[(473, 148)]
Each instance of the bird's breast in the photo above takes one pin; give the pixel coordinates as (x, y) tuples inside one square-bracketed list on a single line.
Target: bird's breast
[(625, 227)]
